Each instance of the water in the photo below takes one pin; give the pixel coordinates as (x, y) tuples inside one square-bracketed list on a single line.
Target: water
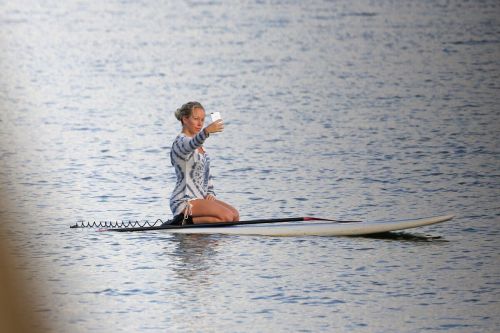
[(368, 110)]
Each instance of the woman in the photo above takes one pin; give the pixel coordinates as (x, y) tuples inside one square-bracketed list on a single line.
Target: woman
[(193, 199)]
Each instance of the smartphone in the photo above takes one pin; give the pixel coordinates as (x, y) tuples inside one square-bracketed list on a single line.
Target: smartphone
[(214, 116)]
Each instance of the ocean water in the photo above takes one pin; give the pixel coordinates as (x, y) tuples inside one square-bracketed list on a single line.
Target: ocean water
[(353, 110)]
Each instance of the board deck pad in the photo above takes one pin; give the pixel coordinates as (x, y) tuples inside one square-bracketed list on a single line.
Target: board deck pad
[(301, 228)]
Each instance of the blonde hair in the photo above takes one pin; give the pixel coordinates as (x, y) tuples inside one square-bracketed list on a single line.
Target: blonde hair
[(186, 110)]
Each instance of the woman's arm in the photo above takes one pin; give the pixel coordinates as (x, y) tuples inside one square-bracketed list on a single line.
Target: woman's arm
[(184, 146)]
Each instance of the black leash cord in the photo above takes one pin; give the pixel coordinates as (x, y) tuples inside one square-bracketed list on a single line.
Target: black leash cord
[(116, 224)]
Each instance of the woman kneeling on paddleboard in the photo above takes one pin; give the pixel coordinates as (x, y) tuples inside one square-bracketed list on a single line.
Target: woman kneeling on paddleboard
[(193, 199)]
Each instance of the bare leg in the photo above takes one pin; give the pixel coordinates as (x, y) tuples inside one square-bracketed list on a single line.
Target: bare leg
[(212, 211), (236, 214)]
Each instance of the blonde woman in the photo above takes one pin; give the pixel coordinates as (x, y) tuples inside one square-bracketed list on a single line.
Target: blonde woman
[(193, 199)]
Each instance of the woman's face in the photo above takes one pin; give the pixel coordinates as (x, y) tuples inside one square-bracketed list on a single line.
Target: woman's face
[(194, 123)]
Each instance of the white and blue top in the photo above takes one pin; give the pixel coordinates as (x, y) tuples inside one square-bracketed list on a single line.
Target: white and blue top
[(192, 169)]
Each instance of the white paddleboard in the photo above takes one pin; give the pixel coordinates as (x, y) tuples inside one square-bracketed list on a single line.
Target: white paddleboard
[(314, 228)]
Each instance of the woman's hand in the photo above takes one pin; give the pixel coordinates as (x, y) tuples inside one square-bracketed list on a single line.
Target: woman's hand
[(215, 127), (210, 197)]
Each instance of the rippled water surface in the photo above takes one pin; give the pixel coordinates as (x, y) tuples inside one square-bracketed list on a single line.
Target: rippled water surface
[(354, 110)]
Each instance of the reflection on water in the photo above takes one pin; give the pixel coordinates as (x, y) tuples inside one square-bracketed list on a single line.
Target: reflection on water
[(407, 236), (193, 256)]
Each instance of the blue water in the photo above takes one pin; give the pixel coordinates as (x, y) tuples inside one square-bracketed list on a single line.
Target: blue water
[(353, 110)]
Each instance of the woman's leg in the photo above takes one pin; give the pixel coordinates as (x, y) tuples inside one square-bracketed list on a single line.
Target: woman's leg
[(211, 211), (236, 214)]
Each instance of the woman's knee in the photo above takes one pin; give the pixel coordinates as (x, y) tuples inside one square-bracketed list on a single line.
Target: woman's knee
[(235, 215), (227, 216)]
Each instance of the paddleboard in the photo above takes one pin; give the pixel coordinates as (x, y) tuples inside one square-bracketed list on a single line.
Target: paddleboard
[(302, 228)]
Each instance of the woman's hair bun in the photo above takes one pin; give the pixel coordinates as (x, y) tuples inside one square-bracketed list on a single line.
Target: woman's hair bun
[(178, 113)]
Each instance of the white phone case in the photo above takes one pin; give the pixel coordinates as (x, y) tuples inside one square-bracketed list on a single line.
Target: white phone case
[(214, 116)]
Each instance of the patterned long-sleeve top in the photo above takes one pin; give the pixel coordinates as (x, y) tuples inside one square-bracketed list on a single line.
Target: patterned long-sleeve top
[(192, 169)]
